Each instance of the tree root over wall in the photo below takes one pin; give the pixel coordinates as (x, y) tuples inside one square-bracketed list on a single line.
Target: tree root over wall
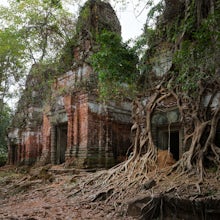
[(140, 172)]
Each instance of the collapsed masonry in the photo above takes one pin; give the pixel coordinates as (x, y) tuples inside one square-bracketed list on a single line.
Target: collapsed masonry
[(71, 126)]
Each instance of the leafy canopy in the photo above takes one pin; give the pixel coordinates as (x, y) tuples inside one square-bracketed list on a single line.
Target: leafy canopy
[(116, 65), (4, 123), (12, 58), (31, 31), (44, 25), (198, 57)]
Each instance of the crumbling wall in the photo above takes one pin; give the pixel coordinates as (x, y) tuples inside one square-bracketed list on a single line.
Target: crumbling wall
[(25, 137), (97, 134)]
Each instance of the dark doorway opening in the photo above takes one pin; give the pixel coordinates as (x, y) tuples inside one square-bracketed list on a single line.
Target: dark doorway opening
[(174, 144), (14, 154), (169, 141), (217, 135), (61, 142), (217, 138)]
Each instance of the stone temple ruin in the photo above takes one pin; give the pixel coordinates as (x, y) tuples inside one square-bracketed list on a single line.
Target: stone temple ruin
[(65, 123), (71, 126), (167, 126)]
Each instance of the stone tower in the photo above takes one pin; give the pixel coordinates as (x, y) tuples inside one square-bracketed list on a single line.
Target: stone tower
[(75, 127)]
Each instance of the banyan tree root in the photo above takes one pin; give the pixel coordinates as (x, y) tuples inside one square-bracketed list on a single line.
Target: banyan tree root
[(199, 122), (141, 165)]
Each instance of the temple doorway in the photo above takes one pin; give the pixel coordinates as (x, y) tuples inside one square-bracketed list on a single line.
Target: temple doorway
[(61, 142), (174, 144), (170, 140), (14, 154)]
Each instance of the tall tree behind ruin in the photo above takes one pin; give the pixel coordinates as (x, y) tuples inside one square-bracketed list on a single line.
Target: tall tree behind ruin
[(31, 32)]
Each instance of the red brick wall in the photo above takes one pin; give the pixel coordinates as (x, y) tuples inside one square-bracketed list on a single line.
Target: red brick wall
[(46, 140), (31, 147), (78, 129), (108, 140)]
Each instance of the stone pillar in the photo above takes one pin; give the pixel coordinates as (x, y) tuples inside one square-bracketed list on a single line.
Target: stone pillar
[(19, 158), (109, 159), (10, 162), (70, 132), (53, 144), (39, 146), (101, 141), (45, 139), (21, 145), (75, 133)]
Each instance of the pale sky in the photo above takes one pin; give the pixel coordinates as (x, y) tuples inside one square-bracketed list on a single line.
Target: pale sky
[(132, 25)]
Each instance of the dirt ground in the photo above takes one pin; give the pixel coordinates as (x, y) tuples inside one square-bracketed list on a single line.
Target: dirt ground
[(47, 193), (34, 194)]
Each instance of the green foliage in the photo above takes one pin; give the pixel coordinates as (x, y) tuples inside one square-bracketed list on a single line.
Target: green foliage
[(193, 37), (85, 13), (31, 32), (155, 10), (40, 26), (12, 58), (44, 24), (196, 59), (116, 65), (53, 3), (3, 157), (66, 58), (4, 123), (150, 36), (85, 19)]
